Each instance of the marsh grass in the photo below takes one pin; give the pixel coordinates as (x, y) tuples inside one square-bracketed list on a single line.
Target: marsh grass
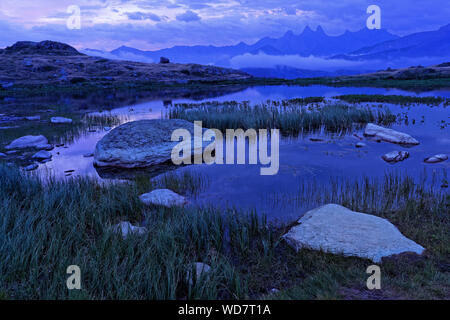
[(288, 116), (46, 227)]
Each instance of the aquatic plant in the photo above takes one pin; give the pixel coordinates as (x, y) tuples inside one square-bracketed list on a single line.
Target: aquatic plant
[(289, 117)]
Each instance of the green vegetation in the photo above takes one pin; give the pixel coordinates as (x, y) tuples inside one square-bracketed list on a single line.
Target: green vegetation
[(394, 99), (289, 117), (106, 87), (45, 227)]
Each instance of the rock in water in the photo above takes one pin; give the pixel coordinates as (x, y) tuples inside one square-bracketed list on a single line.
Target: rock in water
[(360, 145), (140, 144), (27, 142), (395, 156), (164, 60), (42, 155), (389, 135), (125, 228), (436, 158), (31, 167), (338, 230), (60, 120), (162, 197)]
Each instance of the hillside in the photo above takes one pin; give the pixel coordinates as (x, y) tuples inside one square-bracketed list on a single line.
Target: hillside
[(53, 62)]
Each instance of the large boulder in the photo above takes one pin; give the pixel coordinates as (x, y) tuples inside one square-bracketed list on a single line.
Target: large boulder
[(338, 230), (28, 142), (389, 135), (140, 144), (42, 155)]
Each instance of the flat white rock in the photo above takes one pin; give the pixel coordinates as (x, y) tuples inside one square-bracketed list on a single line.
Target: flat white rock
[(125, 228), (338, 230), (60, 120), (27, 142), (389, 135), (162, 197)]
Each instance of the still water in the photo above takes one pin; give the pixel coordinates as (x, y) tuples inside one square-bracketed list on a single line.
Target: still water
[(301, 159)]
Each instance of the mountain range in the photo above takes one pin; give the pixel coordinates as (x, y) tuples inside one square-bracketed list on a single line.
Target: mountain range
[(351, 52)]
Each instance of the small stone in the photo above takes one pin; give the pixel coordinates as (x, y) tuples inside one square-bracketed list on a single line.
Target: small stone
[(360, 145), (162, 197), (31, 167), (27, 142), (42, 155), (107, 128), (60, 120), (2, 155), (436, 158), (201, 270), (88, 155), (33, 118), (395, 156), (125, 228)]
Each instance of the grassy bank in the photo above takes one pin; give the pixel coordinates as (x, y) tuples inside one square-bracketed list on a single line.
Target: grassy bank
[(290, 117), (394, 99), (206, 86), (46, 227)]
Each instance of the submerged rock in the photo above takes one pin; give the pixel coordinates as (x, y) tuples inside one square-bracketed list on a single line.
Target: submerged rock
[(162, 197), (27, 142), (33, 118), (2, 155), (140, 144), (360, 145), (88, 155), (436, 158), (125, 228), (42, 155), (60, 120), (338, 230), (395, 156), (389, 135)]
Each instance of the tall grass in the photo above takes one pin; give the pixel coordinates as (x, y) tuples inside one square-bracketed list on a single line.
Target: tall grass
[(44, 228), (291, 119), (394, 99)]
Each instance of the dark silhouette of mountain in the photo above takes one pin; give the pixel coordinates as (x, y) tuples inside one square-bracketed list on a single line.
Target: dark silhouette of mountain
[(307, 43), (421, 44)]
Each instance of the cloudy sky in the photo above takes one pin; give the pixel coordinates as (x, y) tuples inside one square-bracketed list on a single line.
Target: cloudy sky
[(149, 24)]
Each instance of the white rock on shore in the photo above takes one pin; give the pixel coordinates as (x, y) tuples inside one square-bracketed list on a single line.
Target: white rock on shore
[(338, 230), (389, 135), (436, 158), (395, 156), (27, 142), (162, 197)]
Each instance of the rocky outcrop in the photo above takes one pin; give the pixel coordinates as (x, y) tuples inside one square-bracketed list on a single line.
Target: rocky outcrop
[(338, 230), (389, 135), (162, 197), (140, 144), (28, 142), (395, 156), (436, 158)]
